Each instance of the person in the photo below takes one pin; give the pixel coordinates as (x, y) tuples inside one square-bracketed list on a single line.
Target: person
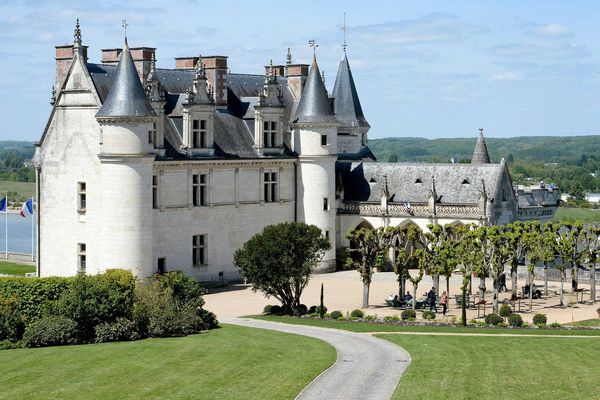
[(502, 283), (390, 297), (408, 299), (444, 302), (431, 298)]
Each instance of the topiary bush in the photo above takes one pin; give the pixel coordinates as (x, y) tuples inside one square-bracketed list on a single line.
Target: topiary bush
[(407, 314), (515, 320), (505, 310), (493, 319), (267, 309), (321, 312), (312, 310), (555, 325), (357, 313), (336, 314), (53, 330), (540, 319), (300, 310), (428, 315), (276, 309), (121, 329)]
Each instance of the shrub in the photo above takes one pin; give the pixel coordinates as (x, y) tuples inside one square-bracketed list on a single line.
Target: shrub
[(515, 320), (391, 318), (428, 315), (407, 314), (540, 326), (209, 319), (540, 319), (525, 324), (336, 314), (267, 309), (312, 310), (357, 313), (121, 329), (493, 319), (32, 294), (300, 310), (453, 319), (321, 312), (52, 330), (11, 322), (276, 309), (555, 325), (371, 318), (505, 310)]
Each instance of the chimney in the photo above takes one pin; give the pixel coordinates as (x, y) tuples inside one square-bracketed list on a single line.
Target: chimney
[(278, 70), (111, 56), (296, 76), (216, 73), (64, 59), (142, 58), (186, 62)]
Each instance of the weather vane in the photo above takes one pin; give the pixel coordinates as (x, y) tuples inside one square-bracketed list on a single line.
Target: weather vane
[(481, 131), (344, 43), (313, 44), (124, 24)]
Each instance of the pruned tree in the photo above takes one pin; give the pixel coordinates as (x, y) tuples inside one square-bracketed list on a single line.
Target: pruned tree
[(411, 255), (591, 249), (517, 249), (470, 253), (279, 260), (499, 255), (534, 239)]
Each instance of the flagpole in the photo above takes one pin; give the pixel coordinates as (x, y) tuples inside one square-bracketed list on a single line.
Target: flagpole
[(6, 228), (32, 210)]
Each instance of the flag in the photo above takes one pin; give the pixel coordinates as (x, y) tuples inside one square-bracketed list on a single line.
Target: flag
[(27, 207), (3, 204)]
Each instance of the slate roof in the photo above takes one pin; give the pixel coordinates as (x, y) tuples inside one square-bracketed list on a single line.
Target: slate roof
[(127, 97), (314, 106), (480, 153), (347, 104), (454, 183)]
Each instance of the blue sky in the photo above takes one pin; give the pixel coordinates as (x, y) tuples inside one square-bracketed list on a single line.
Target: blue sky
[(422, 68)]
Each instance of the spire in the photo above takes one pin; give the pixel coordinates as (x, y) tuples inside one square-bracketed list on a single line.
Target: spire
[(347, 105), (480, 154), (271, 95), (77, 34), (126, 97), (198, 92), (314, 104), (154, 89)]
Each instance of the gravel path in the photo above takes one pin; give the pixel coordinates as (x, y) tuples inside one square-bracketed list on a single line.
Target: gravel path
[(366, 367)]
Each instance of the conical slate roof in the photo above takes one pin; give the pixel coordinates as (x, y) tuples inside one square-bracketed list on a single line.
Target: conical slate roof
[(126, 97), (347, 105), (480, 154), (314, 104)]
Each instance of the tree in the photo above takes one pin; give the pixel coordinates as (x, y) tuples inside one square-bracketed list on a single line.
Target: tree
[(368, 244), (393, 158), (498, 257), (566, 244), (410, 254), (279, 260), (516, 247), (442, 252), (470, 253), (533, 238), (591, 248)]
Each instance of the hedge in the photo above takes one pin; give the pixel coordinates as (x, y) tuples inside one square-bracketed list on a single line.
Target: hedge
[(33, 294)]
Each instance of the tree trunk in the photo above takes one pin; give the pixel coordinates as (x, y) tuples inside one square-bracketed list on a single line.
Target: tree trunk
[(481, 288), (448, 286), (545, 279), (593, 282), (513, 276), (562, 284), (496, 291), (366, 287), (531, 286), (575, 276), (414, 306), (436, 282), (463, 306)]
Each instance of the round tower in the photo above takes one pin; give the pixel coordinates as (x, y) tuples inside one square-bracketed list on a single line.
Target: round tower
[(315, 141), (126, 120)]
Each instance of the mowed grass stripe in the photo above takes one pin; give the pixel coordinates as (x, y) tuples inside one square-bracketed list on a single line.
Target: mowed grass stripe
[(229, 363), (452, 367), (10, 268)]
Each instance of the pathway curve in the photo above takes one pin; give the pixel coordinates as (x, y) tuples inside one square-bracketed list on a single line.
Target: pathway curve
[(366, 367)]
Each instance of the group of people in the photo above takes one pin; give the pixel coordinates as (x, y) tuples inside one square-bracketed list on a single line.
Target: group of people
[(432, 302)]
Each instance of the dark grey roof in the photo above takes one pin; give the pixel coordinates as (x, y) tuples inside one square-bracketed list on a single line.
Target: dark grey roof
[(314, 106), (454, 183), (126, 97), (362, 154), (480, 154), (347, 105)]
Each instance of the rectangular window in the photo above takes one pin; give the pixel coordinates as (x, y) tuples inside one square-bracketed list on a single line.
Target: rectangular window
[(81, 197), (270, 187), (323, 140), (199, 250), (325, 204), (199, 190), (81, 257), (327, 235), (152, 134), (269, 133), (199, 133), (155, 191), (161, 265)]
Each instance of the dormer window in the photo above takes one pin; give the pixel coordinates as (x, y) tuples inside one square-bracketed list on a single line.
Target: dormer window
[(199, 133), (269, 133), (418, 180), (323, 140), (465, 181)]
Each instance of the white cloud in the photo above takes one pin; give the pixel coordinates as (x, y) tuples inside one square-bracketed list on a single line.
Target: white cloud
[(542, 51), (505, 76), (551, 31)]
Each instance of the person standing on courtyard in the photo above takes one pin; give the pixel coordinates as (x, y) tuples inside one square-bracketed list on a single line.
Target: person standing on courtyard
[(444, 302), (431, 298)]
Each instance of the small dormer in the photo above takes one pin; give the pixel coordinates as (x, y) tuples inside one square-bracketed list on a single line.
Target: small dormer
[(269, 117), (155, 94), (199, 115)]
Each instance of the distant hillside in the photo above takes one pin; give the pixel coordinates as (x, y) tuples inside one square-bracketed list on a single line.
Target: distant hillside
[(24, 149), (570, 162)]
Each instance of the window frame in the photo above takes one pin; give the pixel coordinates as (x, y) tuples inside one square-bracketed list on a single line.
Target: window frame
[(200, 249), (270, 186), (81, 197), (81, 257)]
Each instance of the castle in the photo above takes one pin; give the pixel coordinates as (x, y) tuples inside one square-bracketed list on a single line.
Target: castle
[(154, 169)]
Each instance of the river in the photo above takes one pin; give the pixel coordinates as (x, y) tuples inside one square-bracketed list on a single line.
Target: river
[(19, 233)]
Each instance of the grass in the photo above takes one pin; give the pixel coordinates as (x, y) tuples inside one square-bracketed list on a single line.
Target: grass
[(23, 189), (10, 268), (471, 367), (355, 326), (228, 363), (577, 214), (587, 322)]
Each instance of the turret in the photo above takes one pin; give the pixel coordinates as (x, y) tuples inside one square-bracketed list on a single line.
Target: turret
[(155, 94), (480, 154), (126, 158), (269, 117), (352, 132), (315, 141)]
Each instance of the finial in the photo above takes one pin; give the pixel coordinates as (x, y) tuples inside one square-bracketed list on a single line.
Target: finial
[(271, 67), (314, 45), (344, 43), (288, 58), (53, 97), (124, 24), (323, 76), (481, 131), (77, 34)]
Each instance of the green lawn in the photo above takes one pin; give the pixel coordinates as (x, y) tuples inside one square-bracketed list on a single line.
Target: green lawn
[(587, 322), (577, 214), (472, 367), (228, 363), (373, 327), (24, 189), (10, 268)]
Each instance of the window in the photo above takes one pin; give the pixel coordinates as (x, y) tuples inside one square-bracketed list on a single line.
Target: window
[(161, 265), (270, 189), (154, 191), (81, 257), (152, 134), (199, 249), (199, 133), (325, 204), (199, 190), (327, 235), (503, 194), (323, 140), (81, 197), (269, 133)]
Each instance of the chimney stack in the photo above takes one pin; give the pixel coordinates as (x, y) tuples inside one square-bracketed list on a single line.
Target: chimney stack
[(64, 59), (278, 70), (216, 73), (296, 74), (186, 62), (142, 58), (111, 56)]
